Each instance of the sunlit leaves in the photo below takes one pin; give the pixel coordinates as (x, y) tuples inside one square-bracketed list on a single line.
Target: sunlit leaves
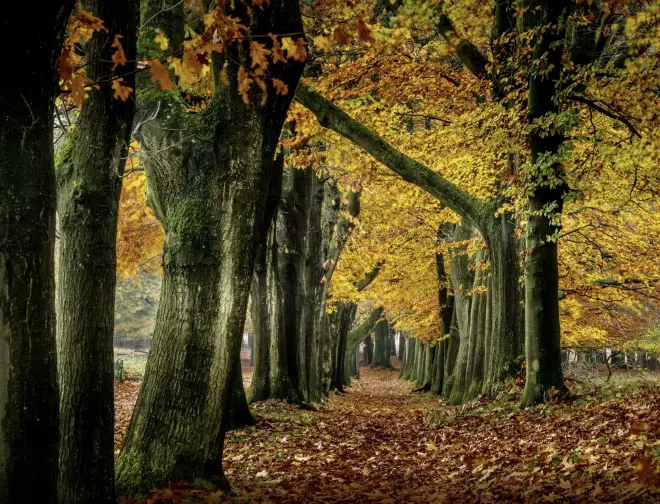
[(162, 41)]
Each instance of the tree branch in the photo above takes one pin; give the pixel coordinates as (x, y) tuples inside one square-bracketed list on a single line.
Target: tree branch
[(617, 117), (332, 117)]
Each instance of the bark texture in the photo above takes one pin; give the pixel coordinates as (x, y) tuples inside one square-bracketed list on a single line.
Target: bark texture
[(89, 176), (29, 400), (208, 178), (542, 331)]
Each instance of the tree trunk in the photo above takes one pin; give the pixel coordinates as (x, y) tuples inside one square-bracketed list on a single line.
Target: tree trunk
[(29, 400), (506, 337), (357, 334), (291, 236), (368, 355), (451, 356), (89, 174), (208, 177), (461, 282), (427, 366), (409, 358), (542, 331), (239, 411), (266, 299), (402, 348), (381, 346), (312, 274)]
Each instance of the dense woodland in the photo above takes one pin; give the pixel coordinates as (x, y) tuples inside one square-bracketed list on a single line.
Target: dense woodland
[(467, 188)]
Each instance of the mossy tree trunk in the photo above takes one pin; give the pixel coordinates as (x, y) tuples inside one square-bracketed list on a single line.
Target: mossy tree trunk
[(29, 400), (453, 346), (462, 281), (89, 175), (208, 178)]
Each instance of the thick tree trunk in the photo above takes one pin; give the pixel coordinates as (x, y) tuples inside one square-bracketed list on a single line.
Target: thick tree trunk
[(29, 400), (427, 367), (506, 337), (309, 350), (381, 346), (402, 348), (542, 331), (290, 237), (89, 174), (208, 177), (453, 346), (475, 306), (344, 319), (461, 282), (409, 358), (266, 305)]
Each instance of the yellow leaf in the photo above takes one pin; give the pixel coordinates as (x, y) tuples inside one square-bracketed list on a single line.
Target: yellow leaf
[(162, 41)]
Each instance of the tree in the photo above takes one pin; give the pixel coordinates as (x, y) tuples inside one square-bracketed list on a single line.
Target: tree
[(28, 376), (381, 345), (208, 174), (89, 176)]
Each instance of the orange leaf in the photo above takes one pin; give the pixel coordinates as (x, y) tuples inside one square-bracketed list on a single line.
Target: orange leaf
[(119, 56), (259, 55), (160, 75), (122, 91), (364, 32), (280, 86), (244, 83), (341, 35)]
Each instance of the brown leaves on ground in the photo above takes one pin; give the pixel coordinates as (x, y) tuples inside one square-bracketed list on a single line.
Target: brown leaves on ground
[(380, 443)]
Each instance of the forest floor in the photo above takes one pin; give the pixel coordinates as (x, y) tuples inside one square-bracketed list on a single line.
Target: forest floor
[(381, 443)]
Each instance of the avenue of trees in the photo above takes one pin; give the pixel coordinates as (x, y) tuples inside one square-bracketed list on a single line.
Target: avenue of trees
[(336, 170)]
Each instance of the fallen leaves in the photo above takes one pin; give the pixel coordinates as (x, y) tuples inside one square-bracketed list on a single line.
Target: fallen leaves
[(380, 443)]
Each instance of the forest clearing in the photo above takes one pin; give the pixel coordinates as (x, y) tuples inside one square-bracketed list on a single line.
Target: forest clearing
[(330, 251)]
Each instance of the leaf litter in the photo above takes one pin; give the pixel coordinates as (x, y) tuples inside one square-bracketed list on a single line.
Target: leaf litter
[(381, 443)]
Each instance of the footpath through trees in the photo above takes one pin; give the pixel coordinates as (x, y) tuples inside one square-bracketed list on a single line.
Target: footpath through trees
[(381, 443)]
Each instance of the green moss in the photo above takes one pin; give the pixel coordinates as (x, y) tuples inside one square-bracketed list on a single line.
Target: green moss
[(64, 153)]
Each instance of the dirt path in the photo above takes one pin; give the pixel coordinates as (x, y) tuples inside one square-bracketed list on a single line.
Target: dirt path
[(380, 443)]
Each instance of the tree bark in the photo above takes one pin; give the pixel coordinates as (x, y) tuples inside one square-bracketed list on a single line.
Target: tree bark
[(461, 282), (239, 410), (29, 403), (381, 346), (269, 378), (542, 331), (89, 175), (208, 178)]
